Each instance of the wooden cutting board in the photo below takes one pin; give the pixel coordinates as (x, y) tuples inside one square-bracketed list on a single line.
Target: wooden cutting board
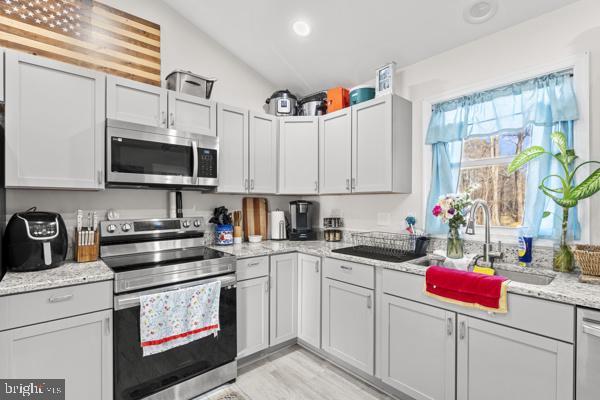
[(255, 217)]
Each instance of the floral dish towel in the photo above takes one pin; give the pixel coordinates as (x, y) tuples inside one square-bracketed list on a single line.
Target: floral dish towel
[(178, 317)]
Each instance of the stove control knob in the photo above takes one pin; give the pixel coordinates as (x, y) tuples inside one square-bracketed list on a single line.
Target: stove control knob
[(111, 228), (197, 223), (126, 227), (186, 224)]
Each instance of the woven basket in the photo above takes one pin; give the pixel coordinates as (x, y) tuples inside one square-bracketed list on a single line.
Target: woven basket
[(588, 259)]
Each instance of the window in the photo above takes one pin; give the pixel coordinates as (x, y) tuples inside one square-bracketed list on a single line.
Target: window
[(483, 169)]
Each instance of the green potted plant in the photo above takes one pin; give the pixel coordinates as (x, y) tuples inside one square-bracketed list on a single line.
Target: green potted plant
[(567, 195)]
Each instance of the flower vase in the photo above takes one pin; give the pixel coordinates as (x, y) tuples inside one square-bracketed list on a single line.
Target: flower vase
[(455, 245), (564, 259)]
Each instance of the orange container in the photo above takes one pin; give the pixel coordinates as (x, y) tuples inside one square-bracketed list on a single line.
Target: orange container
[(337, 98)]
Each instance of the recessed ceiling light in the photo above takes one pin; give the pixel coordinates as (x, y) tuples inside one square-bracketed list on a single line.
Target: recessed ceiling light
[(302, 28), (479, 11)]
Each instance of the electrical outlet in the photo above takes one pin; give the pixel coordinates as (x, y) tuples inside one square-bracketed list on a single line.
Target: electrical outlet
[(384, 219)]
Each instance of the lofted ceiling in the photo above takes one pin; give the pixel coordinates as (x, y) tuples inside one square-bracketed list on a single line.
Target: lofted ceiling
[(349, 39)]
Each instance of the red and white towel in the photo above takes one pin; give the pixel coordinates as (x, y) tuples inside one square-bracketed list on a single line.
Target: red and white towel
[(175, 318)]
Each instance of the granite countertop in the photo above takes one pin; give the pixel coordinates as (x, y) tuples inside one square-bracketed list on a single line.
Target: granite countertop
[(68, 274), (565, 288)]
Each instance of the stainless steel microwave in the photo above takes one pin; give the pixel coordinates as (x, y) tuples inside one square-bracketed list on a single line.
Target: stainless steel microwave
[(141, 155)]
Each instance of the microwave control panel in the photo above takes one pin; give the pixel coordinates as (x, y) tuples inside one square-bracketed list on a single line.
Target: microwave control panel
[(207, 163)]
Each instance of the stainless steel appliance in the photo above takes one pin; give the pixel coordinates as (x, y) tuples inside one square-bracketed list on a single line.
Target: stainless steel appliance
[(158, 255), (313, 104), (35, 240), (190, 83), (301, 214), (277, 225), (588, 354), (282, 103), (140, 155)]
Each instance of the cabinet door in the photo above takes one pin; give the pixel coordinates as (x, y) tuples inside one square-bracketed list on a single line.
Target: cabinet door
[(309, 299), (264, 131), (252, 315), (299, 155), (55, 124), (348, 324), (335, 152), (284, 299), (498, 363), (192, 114), (372, 146), (1, 75), (419, 347), (77, 349), (132, 101), (232, 130)]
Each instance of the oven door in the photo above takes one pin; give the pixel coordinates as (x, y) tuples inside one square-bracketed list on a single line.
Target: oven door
[(148, 156), (136, 377)]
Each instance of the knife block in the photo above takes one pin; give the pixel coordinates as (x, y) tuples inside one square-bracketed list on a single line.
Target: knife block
[(87, 253)]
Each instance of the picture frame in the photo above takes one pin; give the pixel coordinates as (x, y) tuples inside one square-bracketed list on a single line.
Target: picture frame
[(384, 79)]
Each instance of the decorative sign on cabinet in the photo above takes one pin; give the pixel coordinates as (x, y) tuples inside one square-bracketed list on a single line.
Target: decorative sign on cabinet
[(55, 124)]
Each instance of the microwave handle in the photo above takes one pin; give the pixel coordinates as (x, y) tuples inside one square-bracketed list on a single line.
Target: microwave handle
[(195, 158)]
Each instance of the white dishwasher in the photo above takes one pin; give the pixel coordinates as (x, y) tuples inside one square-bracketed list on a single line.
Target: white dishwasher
[(588, 354)]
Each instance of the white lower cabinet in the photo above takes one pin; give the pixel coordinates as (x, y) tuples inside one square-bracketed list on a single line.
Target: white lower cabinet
[(284, 298), (77, 349), (495, 362), (309, 299), (419, 349), (252, 315), (349, 324)]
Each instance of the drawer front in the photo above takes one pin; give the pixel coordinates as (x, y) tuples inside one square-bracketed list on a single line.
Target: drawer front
[(250, 268), (349, 272), (548, 318), (46, 305)]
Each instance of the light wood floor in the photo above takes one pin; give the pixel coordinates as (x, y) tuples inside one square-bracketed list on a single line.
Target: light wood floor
[(295, 373)]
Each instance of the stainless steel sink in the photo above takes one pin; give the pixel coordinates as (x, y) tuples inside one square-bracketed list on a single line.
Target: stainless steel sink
[(525, 277)]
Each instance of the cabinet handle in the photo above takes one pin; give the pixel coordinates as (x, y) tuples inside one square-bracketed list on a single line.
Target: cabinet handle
[(100, 177), (246, 184), (353, 183), (316, 186), (164, 118), (172, 119), (369, 302), (58, 299), (253, 264), (267, 285), (107, 326), (463, 330), (346, 268), (252, 184), (348, 184), (317, 267), (591, 327), (450, 326)]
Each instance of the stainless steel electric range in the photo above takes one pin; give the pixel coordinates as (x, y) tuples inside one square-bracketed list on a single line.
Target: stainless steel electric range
[(158, 255)]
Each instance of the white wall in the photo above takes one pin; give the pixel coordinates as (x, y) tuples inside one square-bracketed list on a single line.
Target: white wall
[(568, 31), (182, 46)]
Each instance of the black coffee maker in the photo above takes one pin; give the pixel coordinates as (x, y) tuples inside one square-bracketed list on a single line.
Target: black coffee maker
[(301, 214), (35, 240)]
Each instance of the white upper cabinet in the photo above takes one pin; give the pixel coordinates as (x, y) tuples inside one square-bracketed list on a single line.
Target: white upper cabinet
[(132, 101), (414, 331), (335, 152), (309, 299), (299, 155), (523, 365), (232, 131), (382, 145), (192, 114), (55, 118), (1, 75), (264, 131)]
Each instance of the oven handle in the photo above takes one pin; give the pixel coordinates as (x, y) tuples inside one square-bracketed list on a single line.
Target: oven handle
[(195, 156), (129, 300)]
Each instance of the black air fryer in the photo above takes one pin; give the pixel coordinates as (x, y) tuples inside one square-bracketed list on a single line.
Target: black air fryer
[(35, 240)]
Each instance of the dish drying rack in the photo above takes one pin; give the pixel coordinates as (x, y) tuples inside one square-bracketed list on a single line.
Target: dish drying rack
[(392, 244)]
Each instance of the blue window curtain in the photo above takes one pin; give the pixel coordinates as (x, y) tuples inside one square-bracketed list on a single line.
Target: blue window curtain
[(541, 105)]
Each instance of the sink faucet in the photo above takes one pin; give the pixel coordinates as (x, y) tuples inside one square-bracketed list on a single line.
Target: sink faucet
[(488, 254)]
